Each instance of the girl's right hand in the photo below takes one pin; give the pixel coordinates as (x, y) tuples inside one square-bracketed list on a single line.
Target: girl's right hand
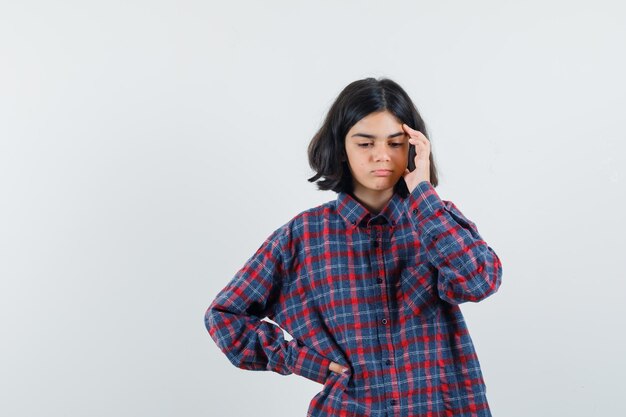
[(335, 367), (422, 158)]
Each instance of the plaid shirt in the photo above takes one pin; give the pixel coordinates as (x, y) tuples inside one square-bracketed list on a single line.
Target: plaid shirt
[(378, 294)]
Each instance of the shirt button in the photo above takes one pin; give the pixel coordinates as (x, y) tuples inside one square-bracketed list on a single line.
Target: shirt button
[(414, 211), (379, 280), (388, 362), (375, 243), (384, 321), (392, 402)]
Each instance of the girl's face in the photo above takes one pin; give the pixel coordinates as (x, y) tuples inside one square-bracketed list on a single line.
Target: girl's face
[(378, 153)]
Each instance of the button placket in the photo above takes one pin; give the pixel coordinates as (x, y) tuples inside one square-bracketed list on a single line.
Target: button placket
[(378, 237), (374, 238)]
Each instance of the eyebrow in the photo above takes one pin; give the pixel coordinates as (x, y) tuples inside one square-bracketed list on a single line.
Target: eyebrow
[(365, 135)]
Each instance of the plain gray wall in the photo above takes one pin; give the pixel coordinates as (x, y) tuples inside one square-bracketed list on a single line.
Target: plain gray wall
[(149, 147)]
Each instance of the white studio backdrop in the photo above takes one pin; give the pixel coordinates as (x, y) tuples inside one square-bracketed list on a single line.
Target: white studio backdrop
[(147, 148)]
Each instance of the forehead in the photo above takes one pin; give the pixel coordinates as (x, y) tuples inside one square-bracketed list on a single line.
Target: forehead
[(382, 121)]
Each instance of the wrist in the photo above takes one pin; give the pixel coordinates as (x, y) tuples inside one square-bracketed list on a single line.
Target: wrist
[(413, 185)]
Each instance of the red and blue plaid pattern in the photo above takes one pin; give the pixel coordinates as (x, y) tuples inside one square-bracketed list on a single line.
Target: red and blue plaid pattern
[(378, 294)]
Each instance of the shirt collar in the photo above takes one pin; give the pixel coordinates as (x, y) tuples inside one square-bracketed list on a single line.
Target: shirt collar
[(355, 213)]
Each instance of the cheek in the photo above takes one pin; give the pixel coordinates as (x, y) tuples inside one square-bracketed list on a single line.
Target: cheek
[(356, 161), (403, 156)]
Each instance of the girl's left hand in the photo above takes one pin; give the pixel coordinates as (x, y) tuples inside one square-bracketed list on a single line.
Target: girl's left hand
[(422, 161)]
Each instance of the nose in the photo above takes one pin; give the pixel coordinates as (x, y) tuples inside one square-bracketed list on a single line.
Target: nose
[(381, 153)]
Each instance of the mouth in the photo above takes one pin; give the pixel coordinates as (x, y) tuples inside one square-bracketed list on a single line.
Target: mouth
[(382, 172)]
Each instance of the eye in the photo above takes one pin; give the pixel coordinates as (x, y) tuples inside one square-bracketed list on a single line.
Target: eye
[(397, 144), (363, 145)]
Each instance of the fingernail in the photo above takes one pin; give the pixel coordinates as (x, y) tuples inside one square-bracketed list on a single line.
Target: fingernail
[(344, 370)]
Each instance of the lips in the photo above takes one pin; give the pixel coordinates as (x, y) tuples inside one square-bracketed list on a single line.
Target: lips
[(382, 172)]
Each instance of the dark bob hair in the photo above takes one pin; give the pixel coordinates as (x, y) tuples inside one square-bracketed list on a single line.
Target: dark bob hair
[(327, 152)]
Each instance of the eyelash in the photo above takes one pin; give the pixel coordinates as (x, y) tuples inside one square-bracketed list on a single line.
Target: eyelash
[(395, 144)]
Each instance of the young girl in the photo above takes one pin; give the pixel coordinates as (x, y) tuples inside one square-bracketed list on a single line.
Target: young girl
[(369, 284)]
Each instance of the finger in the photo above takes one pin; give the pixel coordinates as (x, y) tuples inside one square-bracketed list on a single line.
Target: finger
[(408, 129), (415, 139), (409, 132), (412, 132), (335, 367), (419, 143), (421, 139)]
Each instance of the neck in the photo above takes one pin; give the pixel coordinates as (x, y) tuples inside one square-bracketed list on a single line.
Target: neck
[(374, 201)]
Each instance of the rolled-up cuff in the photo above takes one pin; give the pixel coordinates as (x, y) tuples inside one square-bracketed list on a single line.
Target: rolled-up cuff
[(423, 202), (307, 362)]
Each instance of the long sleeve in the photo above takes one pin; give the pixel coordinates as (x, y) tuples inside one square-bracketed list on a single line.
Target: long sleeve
[(469, 270), (234, 318)]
